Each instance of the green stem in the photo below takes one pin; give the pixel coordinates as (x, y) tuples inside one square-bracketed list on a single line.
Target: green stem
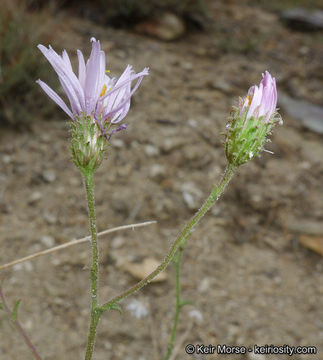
[(95, 309), (181, 238), (18, 326), (177, 264)]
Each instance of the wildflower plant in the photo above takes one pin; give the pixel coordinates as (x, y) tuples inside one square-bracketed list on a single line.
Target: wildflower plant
[(98, 106)]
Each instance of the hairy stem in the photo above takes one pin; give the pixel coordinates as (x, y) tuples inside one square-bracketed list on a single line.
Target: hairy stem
[(95, 309), (181, 238), (19, 328), (177, 264)]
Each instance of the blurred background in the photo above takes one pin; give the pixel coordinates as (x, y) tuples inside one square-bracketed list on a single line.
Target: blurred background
[(253, 268)]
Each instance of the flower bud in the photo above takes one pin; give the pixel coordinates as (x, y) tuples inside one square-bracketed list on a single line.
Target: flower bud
[(88, 143), (251, 122)]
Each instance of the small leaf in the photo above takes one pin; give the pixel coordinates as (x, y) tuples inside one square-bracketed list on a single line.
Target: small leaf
[(14, 314), (186, 302), (115, 307), (1, 307)]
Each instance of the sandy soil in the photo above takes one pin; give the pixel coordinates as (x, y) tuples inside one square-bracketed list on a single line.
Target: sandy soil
[(244, 268)]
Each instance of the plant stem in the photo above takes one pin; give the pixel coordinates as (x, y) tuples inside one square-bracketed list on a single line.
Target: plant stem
[(177, 260), (20, 329), (181, 238), (95, 309)]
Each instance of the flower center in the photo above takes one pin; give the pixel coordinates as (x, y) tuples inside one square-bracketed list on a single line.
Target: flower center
[(104, 89), (249, 97)]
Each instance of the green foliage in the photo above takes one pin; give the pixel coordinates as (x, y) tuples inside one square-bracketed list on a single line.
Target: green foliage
[(14, 314), (20, 63)]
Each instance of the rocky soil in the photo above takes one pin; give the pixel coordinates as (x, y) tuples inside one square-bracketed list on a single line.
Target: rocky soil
[(253, 268)]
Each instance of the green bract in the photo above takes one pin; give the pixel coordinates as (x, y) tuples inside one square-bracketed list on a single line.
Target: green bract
[(88, 143), (246, 137)]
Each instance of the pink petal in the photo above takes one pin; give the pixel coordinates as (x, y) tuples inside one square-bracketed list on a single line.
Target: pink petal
[(52, 94)]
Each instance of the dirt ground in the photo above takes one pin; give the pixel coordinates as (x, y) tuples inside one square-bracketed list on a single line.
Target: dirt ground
[(245, 267)]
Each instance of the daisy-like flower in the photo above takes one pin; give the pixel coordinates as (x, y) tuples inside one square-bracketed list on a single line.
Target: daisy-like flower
[(251, 122), (97, 101)]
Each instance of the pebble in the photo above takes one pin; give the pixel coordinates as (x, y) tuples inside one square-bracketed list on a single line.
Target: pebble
[(170, 144), (204, 285), (35, 197), (166, 27), (310, 115), (157, 172), (196, 315), (7, 159), (151, 150), (50, 218), (192, 195), (118, 143), (140, 270), (49, 176), (47, 240), (117, 242), (302, 19), (25, 266)]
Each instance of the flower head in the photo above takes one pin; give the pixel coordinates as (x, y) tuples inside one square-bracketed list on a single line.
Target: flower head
[(94, 97), (251, 123)]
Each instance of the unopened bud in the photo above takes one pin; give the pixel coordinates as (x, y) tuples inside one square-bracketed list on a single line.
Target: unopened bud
[(251, 122)]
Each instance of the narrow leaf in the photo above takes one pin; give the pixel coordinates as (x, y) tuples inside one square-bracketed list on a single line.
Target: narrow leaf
[(186, 302), (14, 314), (115, 307)]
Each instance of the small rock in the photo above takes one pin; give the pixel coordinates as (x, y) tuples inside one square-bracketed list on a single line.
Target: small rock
[(196, 315), (166, 27), (25, 266), (50, 218), (117, 143), (302, 19), (187, 65), (311, 116), (192, 195), (204, 285), (137, 308), (35, 197), (221, 85), (141, 270), (7, 159), (157, 172), (305, 226), (151, 150), (47, 240), (49, 176), (169, 144), (107, 345), (117, 242)]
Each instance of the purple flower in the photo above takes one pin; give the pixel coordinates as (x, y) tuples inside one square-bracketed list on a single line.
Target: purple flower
[(92, 93), (250, 124), (261, 100)]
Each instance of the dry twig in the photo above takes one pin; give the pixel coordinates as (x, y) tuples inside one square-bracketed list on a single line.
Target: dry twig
[(74, 242)]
